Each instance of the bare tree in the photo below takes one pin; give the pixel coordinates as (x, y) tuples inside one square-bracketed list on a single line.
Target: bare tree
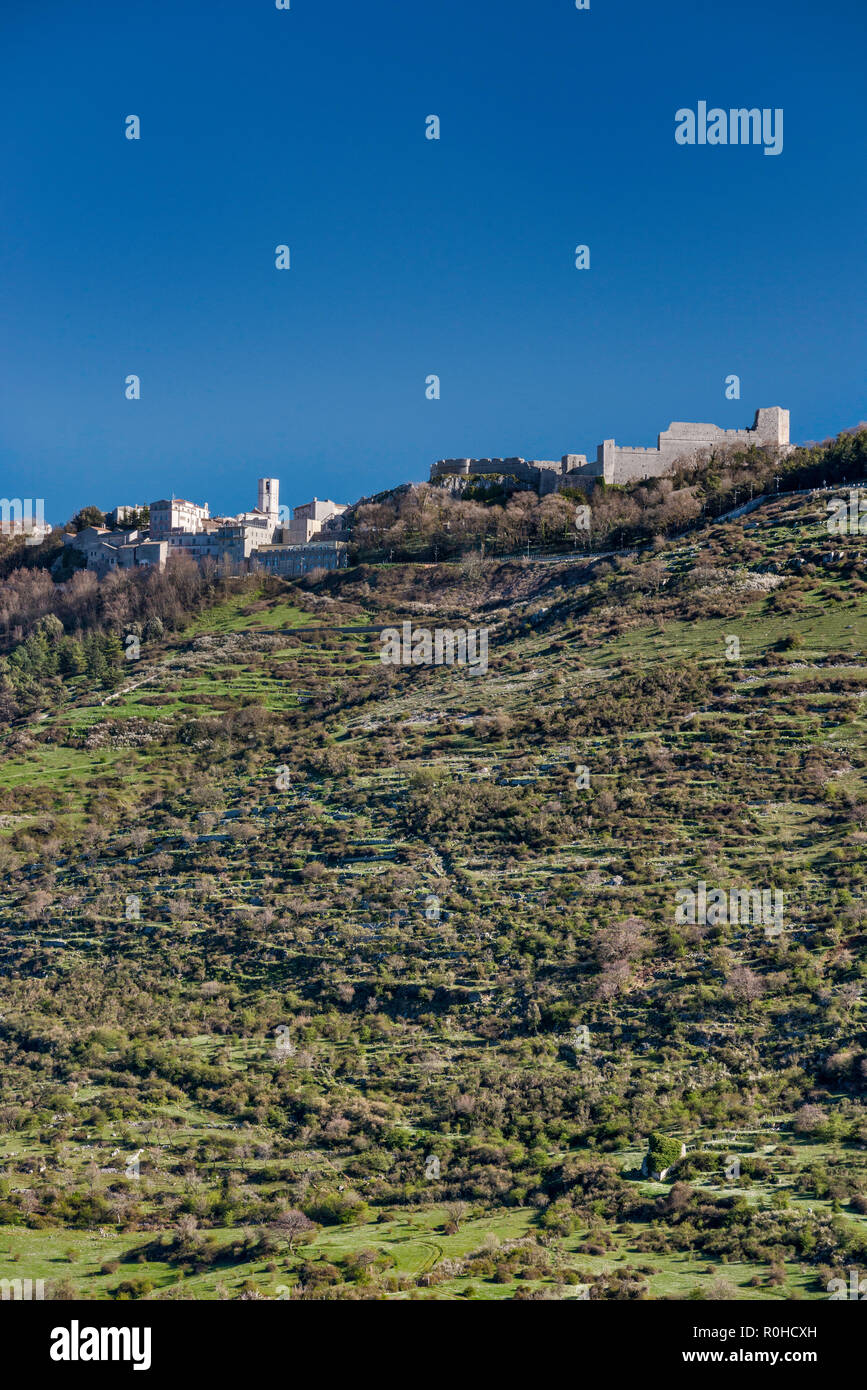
[(456, 1213), (290, 1225)]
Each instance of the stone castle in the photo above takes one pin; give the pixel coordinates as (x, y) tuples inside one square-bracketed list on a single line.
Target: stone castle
[(682, 444)]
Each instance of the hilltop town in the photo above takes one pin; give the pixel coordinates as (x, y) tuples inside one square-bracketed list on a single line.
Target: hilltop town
[(315, 535), (266, 537)]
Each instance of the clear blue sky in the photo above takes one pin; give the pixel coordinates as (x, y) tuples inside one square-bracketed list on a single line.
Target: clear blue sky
[(411, 256)]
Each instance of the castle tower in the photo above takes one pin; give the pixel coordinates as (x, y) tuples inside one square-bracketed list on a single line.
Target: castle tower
[(772, 425), (269, 495)]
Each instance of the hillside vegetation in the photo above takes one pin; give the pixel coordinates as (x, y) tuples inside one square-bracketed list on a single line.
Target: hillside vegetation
[(325, 979)]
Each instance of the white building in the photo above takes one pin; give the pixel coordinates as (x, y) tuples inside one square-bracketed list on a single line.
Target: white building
[(176, 515), (118, 515), (106, 550), (226, 542), (179, 527), (309, 518), (259, 525), (290, 560), (269, 496)]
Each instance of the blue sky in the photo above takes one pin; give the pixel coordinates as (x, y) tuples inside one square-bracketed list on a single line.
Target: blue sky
[(409, 256)]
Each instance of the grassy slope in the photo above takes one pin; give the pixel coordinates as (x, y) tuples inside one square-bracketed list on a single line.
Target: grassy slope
[(712, 788)]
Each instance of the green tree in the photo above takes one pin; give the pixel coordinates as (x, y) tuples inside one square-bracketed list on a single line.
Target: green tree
[(88, 516), (662, 1151)]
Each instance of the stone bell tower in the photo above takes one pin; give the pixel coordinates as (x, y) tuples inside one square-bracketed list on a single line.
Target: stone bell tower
[(269, 496)]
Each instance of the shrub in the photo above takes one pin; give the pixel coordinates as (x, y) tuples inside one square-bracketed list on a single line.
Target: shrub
[(662, 1152)]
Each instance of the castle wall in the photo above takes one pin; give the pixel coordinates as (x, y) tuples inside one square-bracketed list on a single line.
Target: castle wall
[(621, 464), (683, 440), (539, 474)]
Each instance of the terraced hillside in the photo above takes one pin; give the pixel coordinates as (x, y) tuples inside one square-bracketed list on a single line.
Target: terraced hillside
[(329, 979)]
